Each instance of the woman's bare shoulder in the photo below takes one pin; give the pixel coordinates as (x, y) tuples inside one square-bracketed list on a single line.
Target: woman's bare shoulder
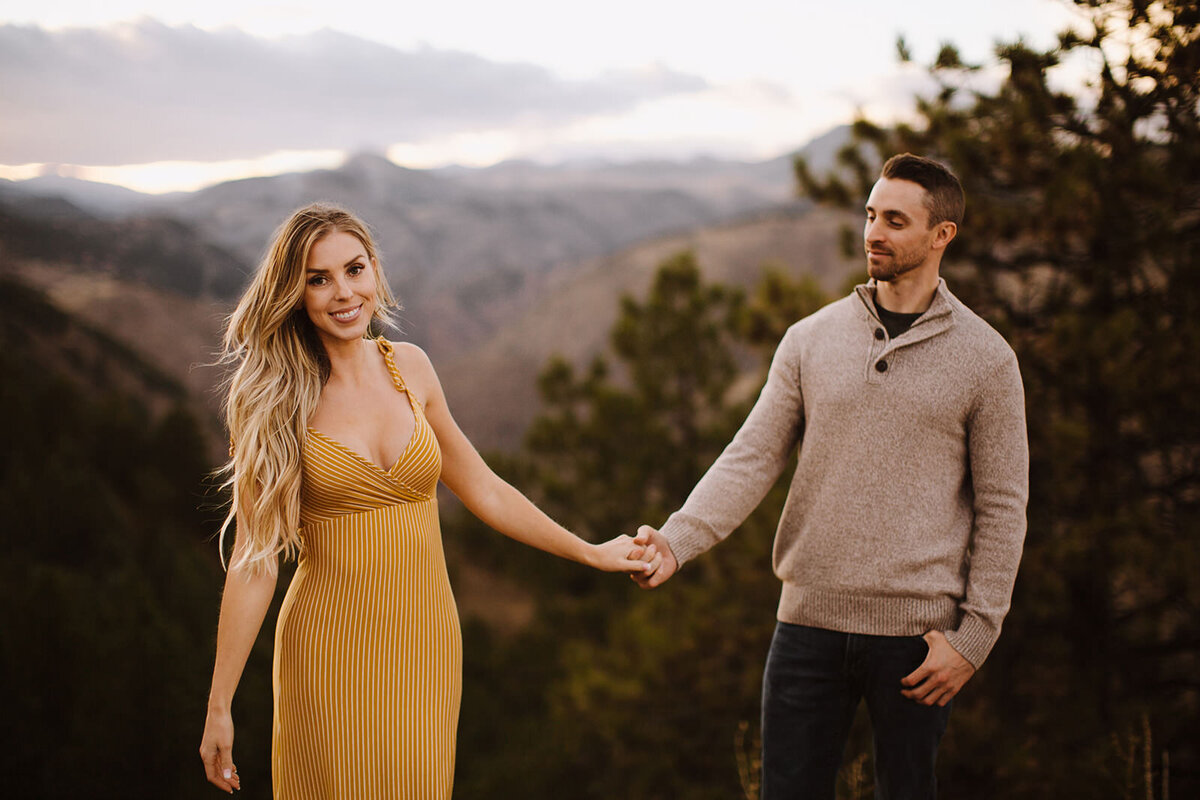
[(409, 353), (415, 367)]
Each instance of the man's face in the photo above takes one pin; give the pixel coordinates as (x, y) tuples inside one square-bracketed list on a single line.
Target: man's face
[(897, 236)]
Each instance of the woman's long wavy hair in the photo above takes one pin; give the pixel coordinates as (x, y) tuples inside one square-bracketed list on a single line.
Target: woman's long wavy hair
[(280, 367)]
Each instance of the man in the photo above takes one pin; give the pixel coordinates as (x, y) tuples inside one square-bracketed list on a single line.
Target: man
[(902, 531)]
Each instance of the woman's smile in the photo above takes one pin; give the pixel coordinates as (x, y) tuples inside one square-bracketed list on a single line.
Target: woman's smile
[(346, 315)]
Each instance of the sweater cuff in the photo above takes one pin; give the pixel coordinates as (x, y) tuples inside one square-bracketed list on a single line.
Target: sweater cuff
[(973, 640), (688, 536)]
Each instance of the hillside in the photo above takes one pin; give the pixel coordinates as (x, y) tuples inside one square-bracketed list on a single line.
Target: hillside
[(120, 279), (465, 249), (454, 253), (156, 250), (497, 268), (178, 335), (109, 575), (492, 388), (567, 311), (85, 357)]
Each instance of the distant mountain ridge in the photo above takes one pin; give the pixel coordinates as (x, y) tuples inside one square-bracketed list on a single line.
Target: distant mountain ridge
[(99, 199), (497, 266), (455, 236), (735, 187), (452, 253), (751, 182)]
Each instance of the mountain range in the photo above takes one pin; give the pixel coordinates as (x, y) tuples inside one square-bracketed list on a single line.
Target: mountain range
[(497, 268)]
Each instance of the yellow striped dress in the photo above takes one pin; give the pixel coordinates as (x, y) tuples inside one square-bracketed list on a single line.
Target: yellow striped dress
[(368, 650)]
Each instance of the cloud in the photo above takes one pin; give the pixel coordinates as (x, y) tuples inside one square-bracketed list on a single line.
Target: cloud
[(146, 92)]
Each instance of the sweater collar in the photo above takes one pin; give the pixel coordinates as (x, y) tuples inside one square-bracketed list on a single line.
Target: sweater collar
[(937, 318), (942, 304)]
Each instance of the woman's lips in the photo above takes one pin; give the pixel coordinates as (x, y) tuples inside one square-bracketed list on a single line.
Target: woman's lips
[(347, 315)]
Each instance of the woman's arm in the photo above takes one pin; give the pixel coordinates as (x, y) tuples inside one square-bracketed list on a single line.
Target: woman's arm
[(495, 501), (244, 605)]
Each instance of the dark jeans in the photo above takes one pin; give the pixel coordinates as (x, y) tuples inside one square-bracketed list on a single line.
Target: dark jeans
[(812, 686)]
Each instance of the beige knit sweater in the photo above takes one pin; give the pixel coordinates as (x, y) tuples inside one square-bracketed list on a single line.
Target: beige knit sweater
[(906, 512)]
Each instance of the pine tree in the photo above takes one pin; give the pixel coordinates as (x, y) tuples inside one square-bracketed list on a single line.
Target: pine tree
[(619, 674)]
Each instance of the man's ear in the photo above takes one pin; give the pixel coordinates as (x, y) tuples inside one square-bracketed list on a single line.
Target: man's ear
[(946, 231)]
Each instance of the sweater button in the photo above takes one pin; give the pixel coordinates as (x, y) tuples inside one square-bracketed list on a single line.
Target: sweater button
[(881, 366), (879, 333)]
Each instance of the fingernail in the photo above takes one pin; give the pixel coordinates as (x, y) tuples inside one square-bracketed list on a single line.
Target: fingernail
[(227, 774)]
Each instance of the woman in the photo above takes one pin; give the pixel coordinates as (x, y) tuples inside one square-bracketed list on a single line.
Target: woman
[(338, 442)]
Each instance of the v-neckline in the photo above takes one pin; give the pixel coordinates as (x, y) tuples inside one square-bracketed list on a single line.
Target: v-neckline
[(364, 459), (400, 386)]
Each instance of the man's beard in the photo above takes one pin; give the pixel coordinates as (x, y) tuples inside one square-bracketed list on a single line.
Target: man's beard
[(893, 267)]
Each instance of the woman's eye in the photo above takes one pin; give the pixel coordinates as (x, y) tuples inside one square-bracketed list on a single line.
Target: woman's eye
[(356, 269), (316, 280)]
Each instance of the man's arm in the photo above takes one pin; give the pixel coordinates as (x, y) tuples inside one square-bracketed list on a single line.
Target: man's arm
[(999, 462), (743, 474), (998, 452)]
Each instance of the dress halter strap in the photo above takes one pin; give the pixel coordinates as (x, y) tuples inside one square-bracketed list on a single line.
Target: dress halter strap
[(385, 347)]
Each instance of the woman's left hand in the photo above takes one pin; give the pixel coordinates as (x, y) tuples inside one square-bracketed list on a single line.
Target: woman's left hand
[(623, 554)]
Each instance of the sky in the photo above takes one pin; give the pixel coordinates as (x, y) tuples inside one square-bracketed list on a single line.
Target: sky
[(174, 96)]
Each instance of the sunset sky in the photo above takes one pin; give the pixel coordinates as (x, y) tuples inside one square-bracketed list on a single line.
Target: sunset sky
[(165, 96)]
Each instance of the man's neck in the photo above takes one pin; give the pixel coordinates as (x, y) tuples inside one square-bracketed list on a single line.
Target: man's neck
[(910, 293)]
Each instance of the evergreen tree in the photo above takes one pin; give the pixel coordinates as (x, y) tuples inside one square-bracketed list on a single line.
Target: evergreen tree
[(620, 444), (627, 679)]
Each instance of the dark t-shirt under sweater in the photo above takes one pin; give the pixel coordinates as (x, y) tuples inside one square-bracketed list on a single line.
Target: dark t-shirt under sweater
[(895, 322)]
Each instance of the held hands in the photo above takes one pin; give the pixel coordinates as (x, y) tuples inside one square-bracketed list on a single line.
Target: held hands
[(941, 675), (623, 555), (653, 547), (216, 750)]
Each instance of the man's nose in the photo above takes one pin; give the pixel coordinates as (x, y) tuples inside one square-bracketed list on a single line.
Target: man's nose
[(872, 232)]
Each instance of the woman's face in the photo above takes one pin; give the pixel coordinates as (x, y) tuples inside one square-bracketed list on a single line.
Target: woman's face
[(340, 283)]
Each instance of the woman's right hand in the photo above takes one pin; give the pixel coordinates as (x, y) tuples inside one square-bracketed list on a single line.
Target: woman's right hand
[(216, 751)]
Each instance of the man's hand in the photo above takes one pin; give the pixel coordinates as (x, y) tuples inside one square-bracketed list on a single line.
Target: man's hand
[(941, 675), (646, 543)]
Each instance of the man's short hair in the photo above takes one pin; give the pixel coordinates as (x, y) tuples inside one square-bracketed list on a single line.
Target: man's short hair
[(944, 199)]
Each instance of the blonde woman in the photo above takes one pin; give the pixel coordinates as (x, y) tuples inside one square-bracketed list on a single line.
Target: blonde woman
[(338, 442)]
